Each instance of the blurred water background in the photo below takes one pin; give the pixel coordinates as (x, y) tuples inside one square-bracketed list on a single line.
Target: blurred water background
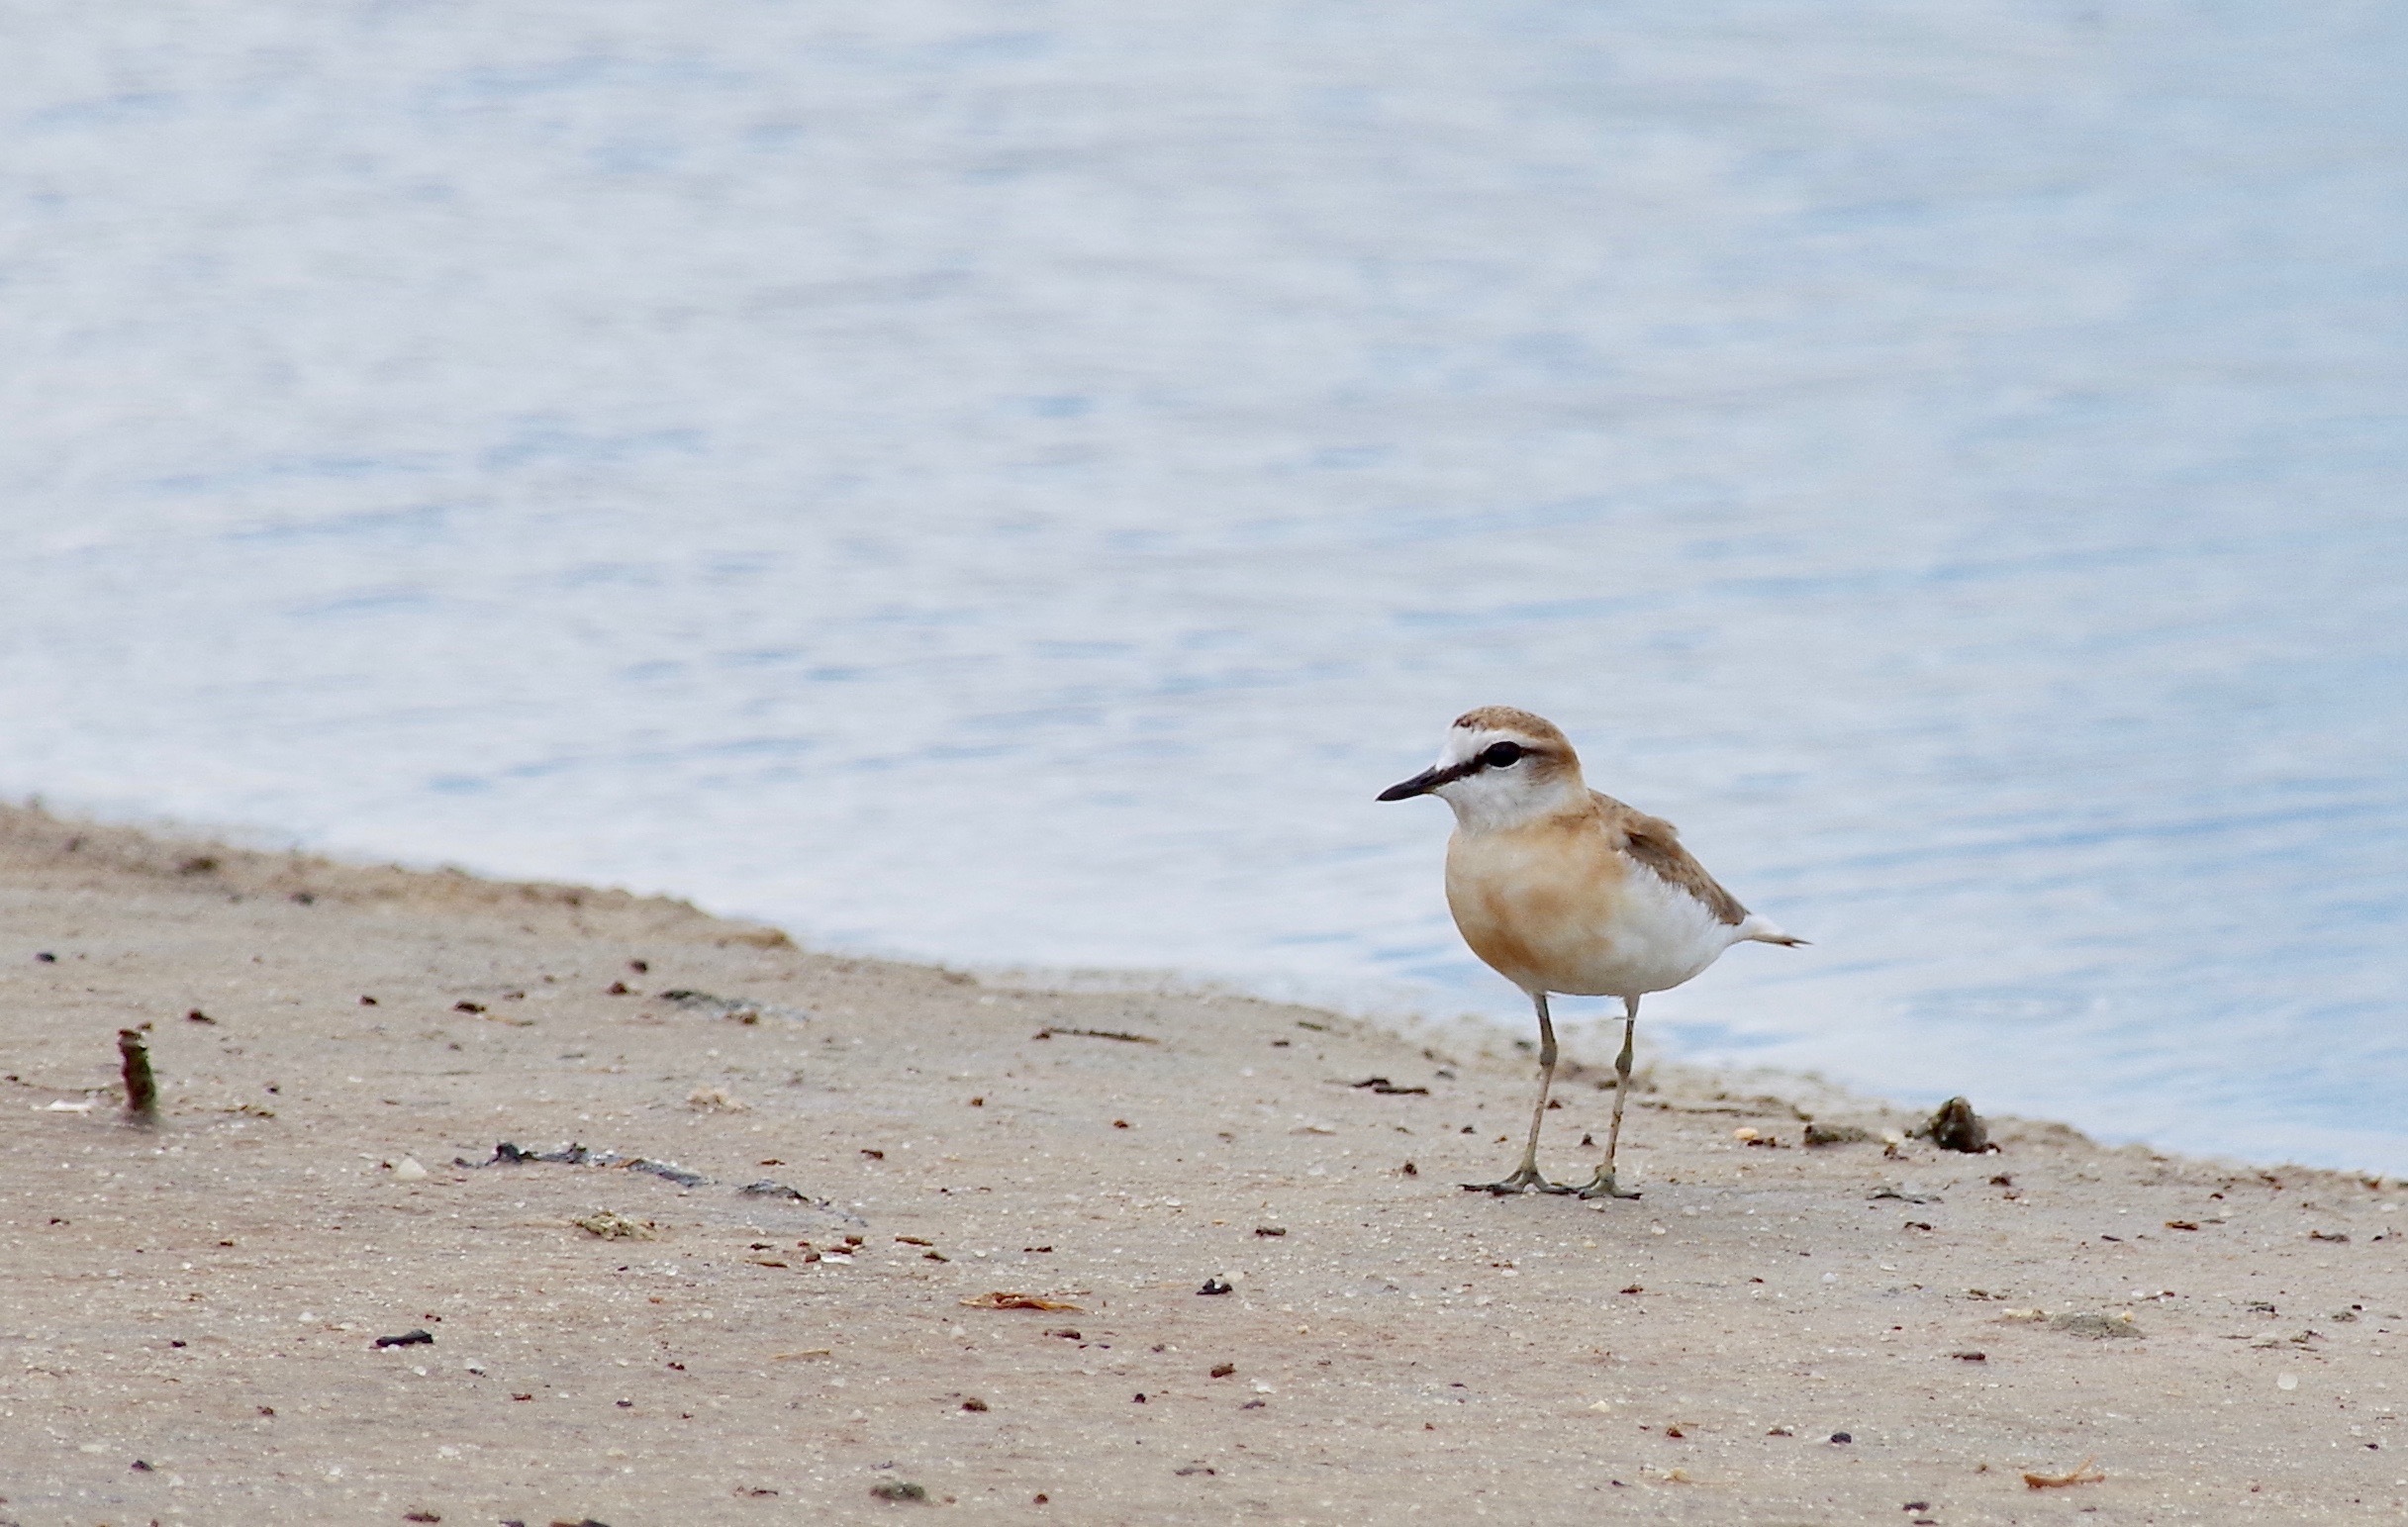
[(1007, 482)]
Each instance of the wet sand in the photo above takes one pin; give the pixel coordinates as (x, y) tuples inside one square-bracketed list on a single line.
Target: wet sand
[(1774, 1334)]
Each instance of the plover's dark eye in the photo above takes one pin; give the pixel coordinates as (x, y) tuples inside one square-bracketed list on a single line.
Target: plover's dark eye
[(1501, 755)]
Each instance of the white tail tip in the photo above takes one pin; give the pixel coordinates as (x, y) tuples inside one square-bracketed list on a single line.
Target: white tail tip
[(1759, 930)]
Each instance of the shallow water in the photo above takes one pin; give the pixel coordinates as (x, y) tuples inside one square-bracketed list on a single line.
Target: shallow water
[(1010, 483)]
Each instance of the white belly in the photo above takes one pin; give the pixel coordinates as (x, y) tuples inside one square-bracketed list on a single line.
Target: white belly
[(1659, 936)]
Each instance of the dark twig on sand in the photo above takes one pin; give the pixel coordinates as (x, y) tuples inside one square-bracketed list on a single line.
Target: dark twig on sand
[(142, 1089), (574, 1155)]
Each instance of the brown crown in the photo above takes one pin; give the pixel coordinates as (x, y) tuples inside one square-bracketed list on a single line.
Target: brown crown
[(1536, 730)]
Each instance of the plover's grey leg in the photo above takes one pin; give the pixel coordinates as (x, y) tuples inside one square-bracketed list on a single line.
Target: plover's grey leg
[(1602, 1185), (1525, 1178)]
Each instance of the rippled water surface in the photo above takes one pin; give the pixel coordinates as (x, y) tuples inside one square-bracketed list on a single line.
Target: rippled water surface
[(1009, 482)]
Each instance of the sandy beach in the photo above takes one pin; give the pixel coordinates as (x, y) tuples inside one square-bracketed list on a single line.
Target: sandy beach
[(765, 1290)]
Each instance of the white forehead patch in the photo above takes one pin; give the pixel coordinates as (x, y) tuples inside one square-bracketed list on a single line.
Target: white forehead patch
[(1463, 742)]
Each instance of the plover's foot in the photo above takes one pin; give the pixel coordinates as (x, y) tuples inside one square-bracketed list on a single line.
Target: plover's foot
[(1527, 1179), (1603, 1187)]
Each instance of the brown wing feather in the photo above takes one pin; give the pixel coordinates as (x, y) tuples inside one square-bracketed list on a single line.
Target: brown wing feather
[(1655, 843)]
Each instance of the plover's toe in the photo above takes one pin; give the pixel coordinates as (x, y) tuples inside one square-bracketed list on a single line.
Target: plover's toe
[(1603, 1187), (1524, 1181)]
